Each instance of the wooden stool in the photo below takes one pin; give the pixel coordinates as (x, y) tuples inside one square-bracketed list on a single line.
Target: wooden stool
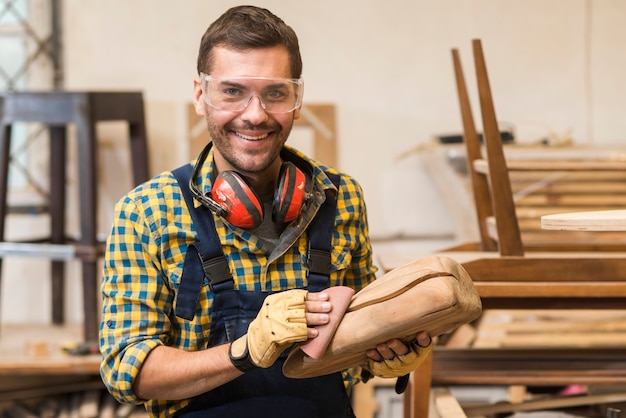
[(57, 109)]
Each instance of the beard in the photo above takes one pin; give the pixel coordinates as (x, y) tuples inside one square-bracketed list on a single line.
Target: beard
[(249, 161)]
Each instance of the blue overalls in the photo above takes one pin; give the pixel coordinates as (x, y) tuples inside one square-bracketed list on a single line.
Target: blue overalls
[(260, 392)]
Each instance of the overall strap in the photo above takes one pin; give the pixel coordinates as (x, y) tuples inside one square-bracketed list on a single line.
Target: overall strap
[(207, 248), (320, 238)]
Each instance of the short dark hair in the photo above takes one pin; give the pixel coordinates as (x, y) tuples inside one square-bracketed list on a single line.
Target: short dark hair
[(248, 27)]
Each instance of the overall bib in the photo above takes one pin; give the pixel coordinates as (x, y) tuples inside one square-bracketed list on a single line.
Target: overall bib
[(260, 392)]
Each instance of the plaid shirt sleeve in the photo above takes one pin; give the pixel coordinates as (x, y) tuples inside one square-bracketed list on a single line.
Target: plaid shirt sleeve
[(136, 292), (352, 250)]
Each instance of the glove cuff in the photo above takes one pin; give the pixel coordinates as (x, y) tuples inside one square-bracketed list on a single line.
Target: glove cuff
[(242, 362)]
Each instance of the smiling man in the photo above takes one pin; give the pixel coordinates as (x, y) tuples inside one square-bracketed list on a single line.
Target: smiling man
[(213, 271)]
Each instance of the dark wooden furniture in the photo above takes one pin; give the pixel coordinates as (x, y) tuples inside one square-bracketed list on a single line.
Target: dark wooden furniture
[(57, 110)]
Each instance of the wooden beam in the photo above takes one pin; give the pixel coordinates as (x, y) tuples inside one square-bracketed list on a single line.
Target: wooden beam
[(544, 404)]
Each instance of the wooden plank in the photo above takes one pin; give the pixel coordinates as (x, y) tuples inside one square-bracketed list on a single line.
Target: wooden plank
[(528, 366), (321, 118), (535, 325), (554, 339), (545, 404), (609, 220), (566, 165), (511, 315), (572, 177), (574, 187), (571, 328), (555, 165), (554, 201), (550, 289), (21, 355)]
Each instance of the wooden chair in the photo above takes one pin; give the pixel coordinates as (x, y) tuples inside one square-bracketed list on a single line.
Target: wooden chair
[(508, 275), (552, 267), (496, 209)]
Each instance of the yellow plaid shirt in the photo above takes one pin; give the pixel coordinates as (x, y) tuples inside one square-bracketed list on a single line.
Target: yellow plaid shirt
[(144, 261)]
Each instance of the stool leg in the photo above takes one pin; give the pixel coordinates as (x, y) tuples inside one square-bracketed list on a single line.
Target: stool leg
[(58, 158), (90, 297), (5, 149), (139, 152), (87, 171)]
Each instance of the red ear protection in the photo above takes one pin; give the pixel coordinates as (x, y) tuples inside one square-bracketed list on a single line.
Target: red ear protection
[(242, 207), (289, 195)]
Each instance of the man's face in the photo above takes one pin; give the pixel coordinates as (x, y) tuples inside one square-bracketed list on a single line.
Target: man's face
[(247, 141)]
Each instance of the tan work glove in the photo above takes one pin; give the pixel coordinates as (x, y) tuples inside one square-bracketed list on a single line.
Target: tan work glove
[(280, 323), (400, 365)]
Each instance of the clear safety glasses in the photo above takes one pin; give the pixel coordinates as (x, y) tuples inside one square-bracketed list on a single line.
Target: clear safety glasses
[(234, 94)]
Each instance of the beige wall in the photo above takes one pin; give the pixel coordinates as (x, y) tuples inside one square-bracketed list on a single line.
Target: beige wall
[(555, 67)]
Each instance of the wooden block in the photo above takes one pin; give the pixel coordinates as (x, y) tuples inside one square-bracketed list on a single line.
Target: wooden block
[(517, 393), (463, 337), (37, 349), (446, 405)]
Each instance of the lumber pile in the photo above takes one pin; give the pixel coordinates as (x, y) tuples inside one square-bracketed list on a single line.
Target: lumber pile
[(514, 332), (551, 328)]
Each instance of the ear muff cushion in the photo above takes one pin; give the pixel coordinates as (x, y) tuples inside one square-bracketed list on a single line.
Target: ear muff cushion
[(290, 193), (243, 206)]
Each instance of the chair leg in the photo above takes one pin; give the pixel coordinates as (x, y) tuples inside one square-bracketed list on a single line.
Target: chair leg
[(5, 149), (509, 236), (90, 300), (139, 152), (57, 218), (480, 183), (417, 394), (86, 138)]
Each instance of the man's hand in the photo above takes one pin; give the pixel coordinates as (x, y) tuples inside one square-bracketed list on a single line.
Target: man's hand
[(281, 322), (318, 308), (394, 358)]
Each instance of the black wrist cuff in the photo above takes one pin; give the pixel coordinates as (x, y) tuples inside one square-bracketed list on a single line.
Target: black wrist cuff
[(243, 363)]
